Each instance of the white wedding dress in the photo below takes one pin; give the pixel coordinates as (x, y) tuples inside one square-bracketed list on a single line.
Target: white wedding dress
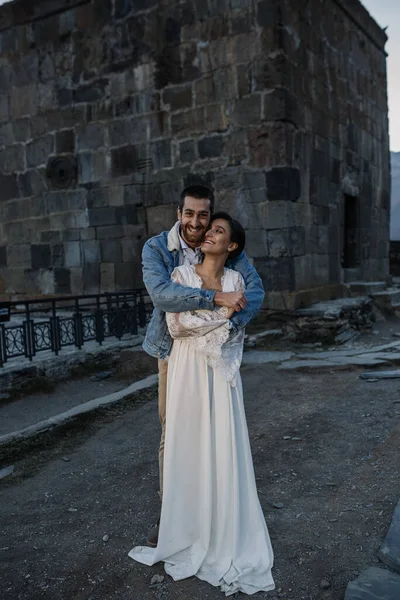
[(212, 525)]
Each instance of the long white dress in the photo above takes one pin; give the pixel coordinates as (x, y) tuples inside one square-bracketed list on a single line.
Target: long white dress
[(212, 525)]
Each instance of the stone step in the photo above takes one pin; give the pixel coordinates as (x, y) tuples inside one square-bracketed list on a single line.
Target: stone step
[(386, 299), (365, 288), (351, 275), (374, 584)]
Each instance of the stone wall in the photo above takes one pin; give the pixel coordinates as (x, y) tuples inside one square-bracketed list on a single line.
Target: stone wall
[(109, 107)]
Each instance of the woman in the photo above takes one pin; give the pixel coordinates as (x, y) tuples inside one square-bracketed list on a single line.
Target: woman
[(212, 525)]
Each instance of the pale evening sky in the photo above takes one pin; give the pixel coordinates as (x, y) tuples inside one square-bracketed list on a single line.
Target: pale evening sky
[(387, 14)]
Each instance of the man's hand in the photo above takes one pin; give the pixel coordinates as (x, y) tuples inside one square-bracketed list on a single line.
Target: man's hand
[(234, 300)]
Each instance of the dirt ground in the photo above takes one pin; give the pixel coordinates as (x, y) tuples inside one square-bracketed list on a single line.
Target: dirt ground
[(325, 446)]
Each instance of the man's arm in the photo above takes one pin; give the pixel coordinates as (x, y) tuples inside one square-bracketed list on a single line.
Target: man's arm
[(254, 291), (165, 294)]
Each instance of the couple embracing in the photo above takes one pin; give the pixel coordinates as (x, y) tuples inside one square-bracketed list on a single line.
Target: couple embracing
[(204, 292)]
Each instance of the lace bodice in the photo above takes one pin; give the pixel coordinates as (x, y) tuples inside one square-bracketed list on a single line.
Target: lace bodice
[(210, 331)]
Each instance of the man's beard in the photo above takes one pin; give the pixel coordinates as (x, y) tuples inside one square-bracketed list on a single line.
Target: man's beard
[(194, 237)]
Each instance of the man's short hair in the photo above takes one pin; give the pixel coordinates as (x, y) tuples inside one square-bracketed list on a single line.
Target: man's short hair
[(200, 192)]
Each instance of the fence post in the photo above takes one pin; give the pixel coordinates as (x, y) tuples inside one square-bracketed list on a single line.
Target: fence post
[(99, 322), (78, 331), (55, 329)]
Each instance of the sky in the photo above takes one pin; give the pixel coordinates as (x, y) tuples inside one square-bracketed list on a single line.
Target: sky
[(387, 14)]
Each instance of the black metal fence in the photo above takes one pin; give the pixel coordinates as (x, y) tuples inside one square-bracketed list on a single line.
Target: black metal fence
[(34, 326)]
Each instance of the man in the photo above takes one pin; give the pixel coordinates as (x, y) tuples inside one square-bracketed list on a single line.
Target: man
[(164, 252)]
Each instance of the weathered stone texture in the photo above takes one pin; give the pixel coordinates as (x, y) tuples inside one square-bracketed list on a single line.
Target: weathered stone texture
[(281, 108)]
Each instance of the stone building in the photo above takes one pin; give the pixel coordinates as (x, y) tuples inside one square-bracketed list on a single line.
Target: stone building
[(108, 107)]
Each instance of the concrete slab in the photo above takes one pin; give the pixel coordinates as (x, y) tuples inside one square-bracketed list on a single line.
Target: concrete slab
[(389, 552), (87, 407), (395, 374), (374, 584), (259, 357), (311, 365)]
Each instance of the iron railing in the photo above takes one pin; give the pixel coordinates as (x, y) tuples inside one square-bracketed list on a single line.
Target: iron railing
[(51, 324)]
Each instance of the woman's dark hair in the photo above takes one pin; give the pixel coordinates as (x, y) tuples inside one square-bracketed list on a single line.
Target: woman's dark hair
[(238, 235), (200, 192)]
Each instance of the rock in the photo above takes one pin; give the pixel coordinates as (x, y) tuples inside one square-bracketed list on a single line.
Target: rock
[(395, 374), (389, 552), (287, 437), (66, 459), (258, 357), (101, 376), (374, 584), (6, 472), (157, 579), (278, 505), (324, 584), (106, 538), (72, 510)]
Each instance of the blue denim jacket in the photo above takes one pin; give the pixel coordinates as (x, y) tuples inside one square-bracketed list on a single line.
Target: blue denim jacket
[(161, 254)]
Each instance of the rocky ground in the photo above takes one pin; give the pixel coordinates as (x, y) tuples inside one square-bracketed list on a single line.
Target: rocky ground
[(325, 447)]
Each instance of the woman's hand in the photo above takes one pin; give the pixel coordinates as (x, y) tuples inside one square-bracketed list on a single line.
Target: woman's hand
[(230, 313)]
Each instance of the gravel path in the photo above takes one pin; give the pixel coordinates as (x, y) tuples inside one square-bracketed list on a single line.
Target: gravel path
[(325, 450)]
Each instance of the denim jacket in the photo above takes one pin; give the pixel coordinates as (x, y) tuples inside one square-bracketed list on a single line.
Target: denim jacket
[(161, 254)]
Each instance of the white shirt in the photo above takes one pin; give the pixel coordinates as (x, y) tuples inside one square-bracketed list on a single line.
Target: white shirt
[(190, 256)]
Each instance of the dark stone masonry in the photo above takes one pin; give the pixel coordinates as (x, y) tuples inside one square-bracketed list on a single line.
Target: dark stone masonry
[(109, 107)]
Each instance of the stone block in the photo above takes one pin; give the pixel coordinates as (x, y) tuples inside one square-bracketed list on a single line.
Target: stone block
[(127, 215), (72, 254), (91, 93), (133, 194), (57, 255), (90, 251), (85, 167), (188, 122), (4, 109), (107, 277), (277, 274), (19, 255), (38, 126), (280, 104), (23, 101), (40, 256), (21, 130), (123, 161), (89, 233), (65, 141), (389, 552), (102, 216), (256, 243), (101, 166), (160, 154), (211, 146), (160, 218), (204, 91), (109, 232), (286, 242), (110, 251), (131, 249), (177, 97), (187, 151), (283, 183), (38, 151), (116, 195), (12, 159), (8, 187), (374, 584), (6, 134), (127, 131), (128, 275), (91, 278), (271, 145), (3, 257), (246, 111), (76, 281)]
